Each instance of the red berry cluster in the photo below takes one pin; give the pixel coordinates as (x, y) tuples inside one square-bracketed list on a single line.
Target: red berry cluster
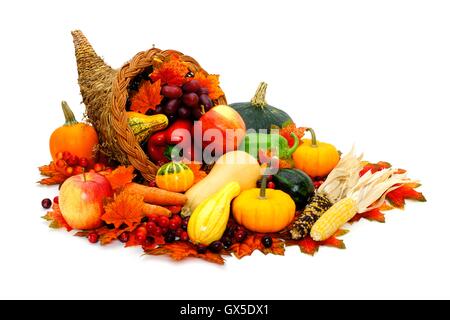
[(47, 203), (171, 229), (72, 165)]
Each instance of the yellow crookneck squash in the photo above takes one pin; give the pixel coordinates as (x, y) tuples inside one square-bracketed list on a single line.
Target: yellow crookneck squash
[(315, 158), (209, 220), (264, 210)]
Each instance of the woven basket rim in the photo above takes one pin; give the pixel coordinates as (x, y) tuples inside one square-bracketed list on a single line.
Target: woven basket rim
[(120, 93)]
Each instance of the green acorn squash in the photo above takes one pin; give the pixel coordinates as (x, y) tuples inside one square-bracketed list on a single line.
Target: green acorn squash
[(257, 114), (295, 183)]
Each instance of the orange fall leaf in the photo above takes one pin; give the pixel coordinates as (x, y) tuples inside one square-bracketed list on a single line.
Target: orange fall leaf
[(56, 219), (181, 250), (120, 176), (125, 208), (147, 98)]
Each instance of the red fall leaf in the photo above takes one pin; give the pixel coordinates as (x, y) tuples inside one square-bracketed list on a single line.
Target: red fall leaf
[(398, 196), (375, 167), (372, 215)]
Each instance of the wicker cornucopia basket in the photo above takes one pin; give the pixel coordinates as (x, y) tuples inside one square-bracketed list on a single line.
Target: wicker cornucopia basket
[(105, 93)]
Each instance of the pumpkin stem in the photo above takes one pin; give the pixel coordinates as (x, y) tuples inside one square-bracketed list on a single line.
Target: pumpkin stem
[(68, 114), (259, 100), (295, 146), (203, 109), (262, 190), (313, 137)]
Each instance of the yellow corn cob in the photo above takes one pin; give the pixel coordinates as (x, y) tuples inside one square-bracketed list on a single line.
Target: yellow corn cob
[(334, 218)]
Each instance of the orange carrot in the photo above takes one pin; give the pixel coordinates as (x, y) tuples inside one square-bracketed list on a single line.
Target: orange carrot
[(157, 196), (149, 209)]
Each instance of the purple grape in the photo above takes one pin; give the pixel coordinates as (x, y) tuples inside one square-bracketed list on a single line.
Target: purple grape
[(184, 112), (191, 86), (197, 113), (190, 99), (203, 91), (171, 107), (159, 109), (205, 101), (171, 92)]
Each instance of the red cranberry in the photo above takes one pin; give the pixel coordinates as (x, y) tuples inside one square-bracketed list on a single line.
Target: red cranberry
[(46, 203), (93, 237)]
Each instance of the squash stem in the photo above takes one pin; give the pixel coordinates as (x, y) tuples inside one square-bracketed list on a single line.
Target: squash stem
[(259, 100), (68, 114), (262, 190), (313, 137)]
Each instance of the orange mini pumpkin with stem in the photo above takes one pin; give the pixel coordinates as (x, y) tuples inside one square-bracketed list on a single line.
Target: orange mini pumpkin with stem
[(315, 158), (75, 137)]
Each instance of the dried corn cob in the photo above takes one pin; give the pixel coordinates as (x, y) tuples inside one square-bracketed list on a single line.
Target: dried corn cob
[(335, 217), (369, 193), (318, 205), (335, 187)]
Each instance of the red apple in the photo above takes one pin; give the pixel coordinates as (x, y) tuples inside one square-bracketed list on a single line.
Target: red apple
[(226, 120), (81, 200)]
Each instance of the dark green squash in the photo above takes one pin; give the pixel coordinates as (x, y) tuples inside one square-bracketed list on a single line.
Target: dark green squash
[(257, 114), (295, 183)]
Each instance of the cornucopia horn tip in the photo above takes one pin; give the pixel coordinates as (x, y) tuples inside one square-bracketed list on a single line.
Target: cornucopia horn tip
[(87, 58)]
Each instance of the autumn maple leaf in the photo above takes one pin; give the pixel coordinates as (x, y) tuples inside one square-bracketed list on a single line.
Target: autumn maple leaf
[(253, 243), (106, 235), (120, 176), (54, 176), (375, 167), (211, 82), (147, 98), (372, 215), (172, 72), (125, 208), (180, 250), (309, 246), (397, 197), (56, 219)]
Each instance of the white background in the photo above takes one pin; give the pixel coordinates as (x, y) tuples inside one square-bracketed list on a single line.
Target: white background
[(373, 73)]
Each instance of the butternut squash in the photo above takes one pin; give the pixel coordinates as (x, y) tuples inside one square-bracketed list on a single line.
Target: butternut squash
[(236, 166)]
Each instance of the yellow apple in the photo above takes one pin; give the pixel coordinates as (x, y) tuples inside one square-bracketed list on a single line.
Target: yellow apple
[(81, 200)]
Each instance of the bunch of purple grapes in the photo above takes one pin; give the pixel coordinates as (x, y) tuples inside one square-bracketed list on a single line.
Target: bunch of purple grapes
[(189, 101)]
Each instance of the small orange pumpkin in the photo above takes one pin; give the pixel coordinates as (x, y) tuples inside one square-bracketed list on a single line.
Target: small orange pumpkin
[(264, 210), (75, 137), (315, 158)]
